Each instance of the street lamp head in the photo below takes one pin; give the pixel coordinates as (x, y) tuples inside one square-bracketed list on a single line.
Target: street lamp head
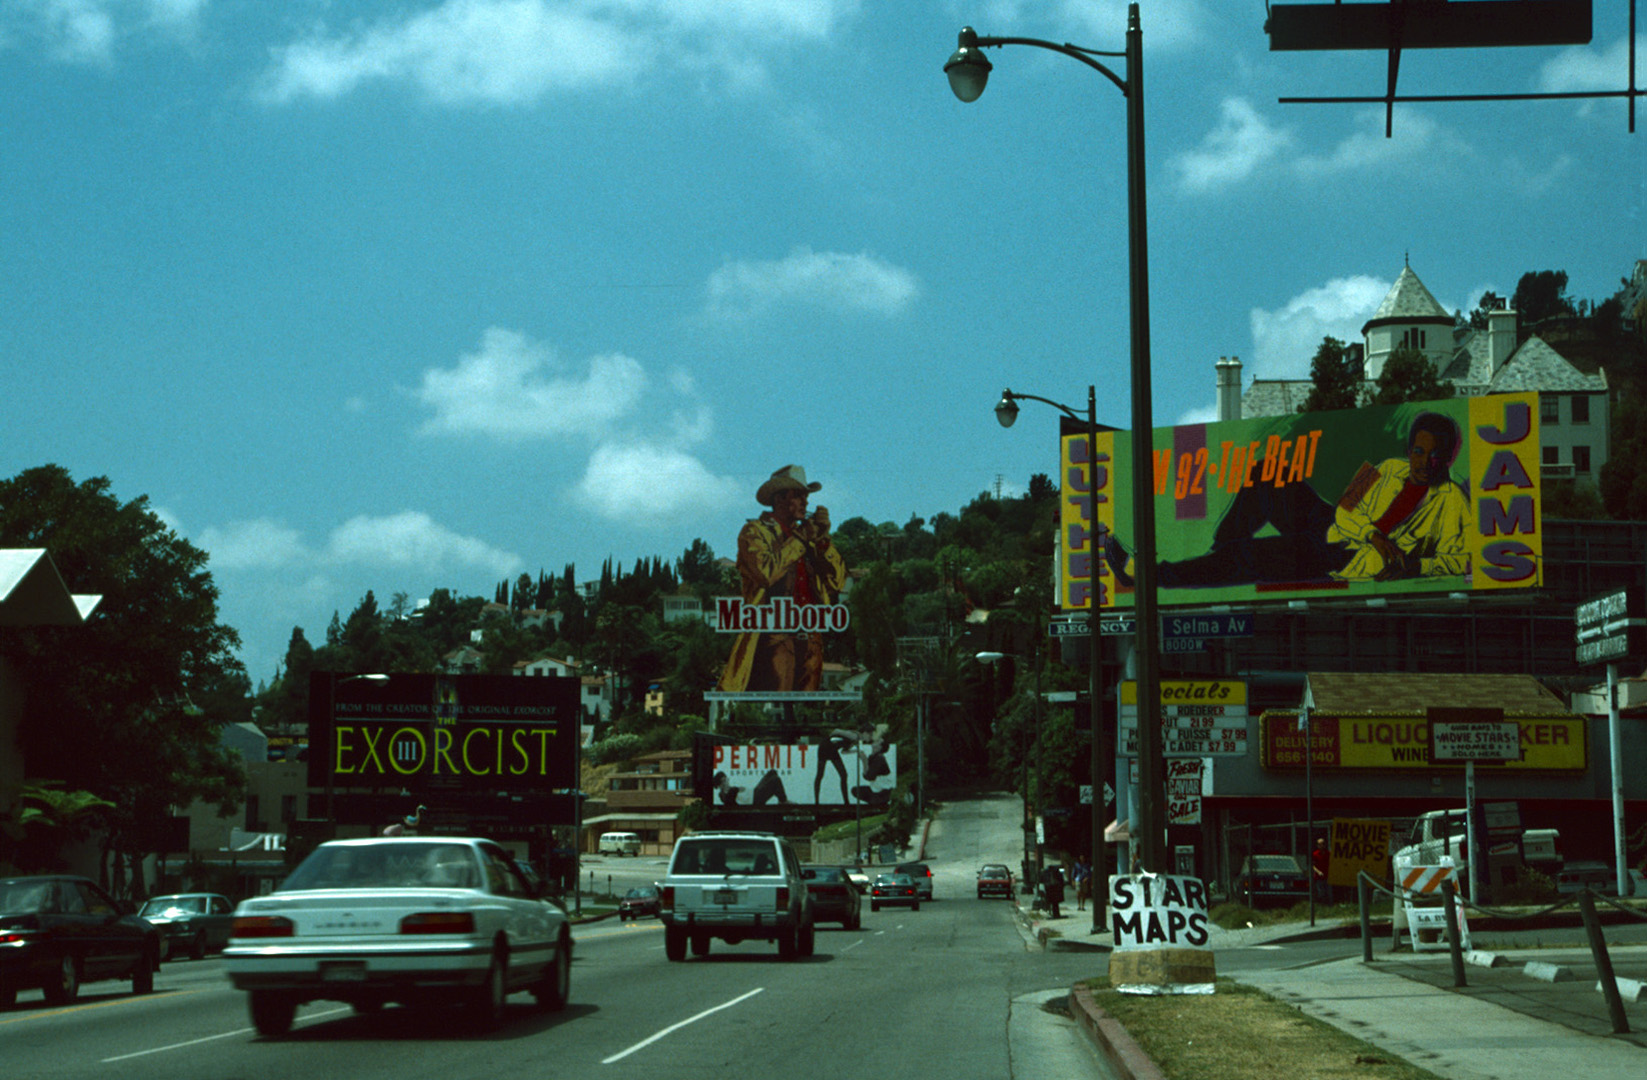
[(968, 69), (990, 657), (1006, 410)]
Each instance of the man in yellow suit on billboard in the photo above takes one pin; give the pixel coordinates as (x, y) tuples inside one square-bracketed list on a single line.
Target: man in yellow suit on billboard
[(784, 553)]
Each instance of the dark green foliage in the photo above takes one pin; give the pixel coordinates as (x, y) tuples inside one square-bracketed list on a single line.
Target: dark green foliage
[(1408, 375), (1337, 376)]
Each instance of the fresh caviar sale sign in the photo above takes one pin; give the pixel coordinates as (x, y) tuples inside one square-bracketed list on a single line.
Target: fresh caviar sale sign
[(478, 733)]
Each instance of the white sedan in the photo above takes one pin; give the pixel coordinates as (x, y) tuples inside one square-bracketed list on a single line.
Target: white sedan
[(411, 920)]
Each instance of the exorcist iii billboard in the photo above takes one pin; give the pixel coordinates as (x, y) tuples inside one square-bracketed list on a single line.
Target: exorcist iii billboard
[(1439, 496), (443, 733)]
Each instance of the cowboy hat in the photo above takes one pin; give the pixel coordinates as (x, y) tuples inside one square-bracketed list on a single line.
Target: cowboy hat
[(788, 478)]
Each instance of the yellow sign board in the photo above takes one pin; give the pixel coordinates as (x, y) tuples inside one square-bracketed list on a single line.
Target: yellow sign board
[(1358, 844)]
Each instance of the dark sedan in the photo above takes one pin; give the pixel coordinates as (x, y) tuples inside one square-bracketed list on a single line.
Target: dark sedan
[(640, 901), (190, 923), (834, 897), (894, 889), (58, 931), (1272, 878)]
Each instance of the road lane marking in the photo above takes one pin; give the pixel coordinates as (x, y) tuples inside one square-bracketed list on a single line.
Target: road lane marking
[(672, 1028), (214, 1038)]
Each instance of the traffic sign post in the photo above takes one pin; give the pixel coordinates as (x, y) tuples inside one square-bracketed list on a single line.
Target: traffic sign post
[(1472, 735), (1609, 628)]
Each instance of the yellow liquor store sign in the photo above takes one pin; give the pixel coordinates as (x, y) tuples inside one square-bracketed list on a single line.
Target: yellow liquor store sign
[(452, 733), (1557, 742)]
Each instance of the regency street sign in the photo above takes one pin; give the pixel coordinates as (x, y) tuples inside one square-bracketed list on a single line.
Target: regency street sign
[(1609, 628)]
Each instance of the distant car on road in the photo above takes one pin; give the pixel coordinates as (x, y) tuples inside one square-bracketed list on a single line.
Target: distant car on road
[(412, 920), (1265, 878), (834, 897), (994, 879), (894, 889), (1598, 877), (192, 923), (920, 873), (639, 901), (58, 931)]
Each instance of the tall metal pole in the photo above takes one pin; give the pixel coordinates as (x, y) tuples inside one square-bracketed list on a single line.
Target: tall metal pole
[(1103, 754), (1151, 781)]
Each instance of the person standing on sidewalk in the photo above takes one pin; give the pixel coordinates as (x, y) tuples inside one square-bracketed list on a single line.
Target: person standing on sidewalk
[(1052, 885), (1082, 873), (1320, 862)]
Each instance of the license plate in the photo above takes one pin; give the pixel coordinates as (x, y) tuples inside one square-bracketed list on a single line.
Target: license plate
[(343, 971), (1274, 885), (726, 896)]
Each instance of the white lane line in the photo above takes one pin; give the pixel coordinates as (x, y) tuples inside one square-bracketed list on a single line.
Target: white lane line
[(213, 1038), (671, 1029)]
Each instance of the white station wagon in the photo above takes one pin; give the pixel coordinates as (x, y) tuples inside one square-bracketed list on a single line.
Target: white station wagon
[(410, 920)]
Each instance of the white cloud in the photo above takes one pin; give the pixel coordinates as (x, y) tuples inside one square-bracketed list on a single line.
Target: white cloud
[(514, 388), (248, 545), (1585, 69), (514, 52), (414, 539), (1414, 137), (860, 282), (1242, 142), (90, 31), (641, 484), (1284, 341)]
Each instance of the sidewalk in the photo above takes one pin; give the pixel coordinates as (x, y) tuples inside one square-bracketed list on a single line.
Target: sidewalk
[(1500, 1027)]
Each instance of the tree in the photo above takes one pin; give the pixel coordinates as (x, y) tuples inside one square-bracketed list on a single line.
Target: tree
[(1408, 375), (1338, 378), (1540, 295), (109, 709)]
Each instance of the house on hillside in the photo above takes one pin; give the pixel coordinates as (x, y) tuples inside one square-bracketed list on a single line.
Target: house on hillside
[(645, 798), (1573, 404)]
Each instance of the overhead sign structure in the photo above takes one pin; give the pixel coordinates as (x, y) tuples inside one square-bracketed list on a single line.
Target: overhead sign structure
[(1396, 24), (453, 734), (1609, 628), (1200, 718), (1284, 507)]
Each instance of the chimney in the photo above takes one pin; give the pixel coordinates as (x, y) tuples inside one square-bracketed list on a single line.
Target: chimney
[(1501, 334), (1229, 388)]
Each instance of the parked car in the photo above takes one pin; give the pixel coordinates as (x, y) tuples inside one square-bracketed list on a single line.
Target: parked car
[(191, 923), (1265, 878), (920, 874), (834, 897), (58, 931), (894, 889), (640, 901), (1598, 877), (994, 879), (402, 919), (736, 886)]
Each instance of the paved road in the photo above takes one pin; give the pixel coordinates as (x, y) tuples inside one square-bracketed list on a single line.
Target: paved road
[(951, 988)]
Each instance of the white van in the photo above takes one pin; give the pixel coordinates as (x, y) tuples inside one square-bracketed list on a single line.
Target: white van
[(619, 843)]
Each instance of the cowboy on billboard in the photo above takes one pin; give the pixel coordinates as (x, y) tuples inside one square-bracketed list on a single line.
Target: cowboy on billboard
[(791, 575)]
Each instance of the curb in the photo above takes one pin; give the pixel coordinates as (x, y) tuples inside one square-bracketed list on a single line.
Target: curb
[(1124, 1055)]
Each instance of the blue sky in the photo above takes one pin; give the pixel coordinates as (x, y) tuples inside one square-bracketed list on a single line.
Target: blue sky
[(398, 296)]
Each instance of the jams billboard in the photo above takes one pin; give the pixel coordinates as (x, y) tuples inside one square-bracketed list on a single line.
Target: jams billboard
[(1438, 496), (446, 734)]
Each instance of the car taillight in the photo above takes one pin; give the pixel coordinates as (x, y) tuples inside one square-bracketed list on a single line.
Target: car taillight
[(783, 896), (438, 922), (666, 897), (12, 937), (256, 926)]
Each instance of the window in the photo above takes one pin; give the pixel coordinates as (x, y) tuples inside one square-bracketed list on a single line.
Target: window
[(1552, 455), (1581, 460), (288, 809), (1549, 409), (1581, 408), (252, 822)]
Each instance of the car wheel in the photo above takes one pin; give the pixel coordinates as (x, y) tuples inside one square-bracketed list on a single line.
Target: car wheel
[(556, 988), (786, 943), (806, 941), (873, 906), (700, 944), (487, 1005), (8, 994), (674, 942), (915, 905), (272, 1012), (197, 947), (622, 917), (65, 987), (143, 973)]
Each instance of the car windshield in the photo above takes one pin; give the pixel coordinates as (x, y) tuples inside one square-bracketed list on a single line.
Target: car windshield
[(181, 905), (823, 873), (892, 879), (644, 892), (726, 856), (20, 897), (994, 872), (386, 866)]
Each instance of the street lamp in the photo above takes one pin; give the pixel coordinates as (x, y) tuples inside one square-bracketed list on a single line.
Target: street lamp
[(993, 658), (968, 72)]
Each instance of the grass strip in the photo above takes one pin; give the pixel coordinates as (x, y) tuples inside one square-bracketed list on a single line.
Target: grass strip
[(1242, 1033)]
